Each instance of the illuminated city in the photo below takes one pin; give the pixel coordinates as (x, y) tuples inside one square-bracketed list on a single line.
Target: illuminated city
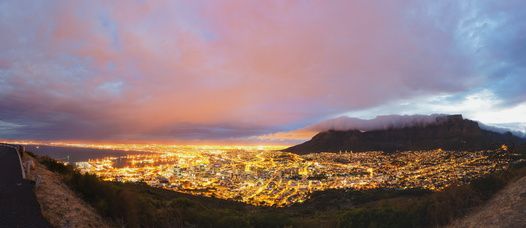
[(261, 176), (280, 114)]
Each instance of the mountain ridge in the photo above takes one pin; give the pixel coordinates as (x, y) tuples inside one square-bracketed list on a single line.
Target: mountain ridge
[(450, 132)]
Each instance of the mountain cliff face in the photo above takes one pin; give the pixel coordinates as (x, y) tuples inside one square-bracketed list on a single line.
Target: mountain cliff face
[(447, 132)]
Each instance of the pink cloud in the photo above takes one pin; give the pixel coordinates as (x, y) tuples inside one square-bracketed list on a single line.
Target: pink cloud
[(269, 64)]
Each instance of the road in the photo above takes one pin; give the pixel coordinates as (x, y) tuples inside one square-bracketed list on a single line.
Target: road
[(18, 203)]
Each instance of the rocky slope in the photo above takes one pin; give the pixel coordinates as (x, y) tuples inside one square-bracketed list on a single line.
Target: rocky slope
[(60, 205), (506, 209), (447, 132)]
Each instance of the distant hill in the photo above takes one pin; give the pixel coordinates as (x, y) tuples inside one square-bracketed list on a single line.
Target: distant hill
[(449, 132)]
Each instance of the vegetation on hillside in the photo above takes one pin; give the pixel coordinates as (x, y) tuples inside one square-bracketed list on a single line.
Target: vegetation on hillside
[(138, 205)]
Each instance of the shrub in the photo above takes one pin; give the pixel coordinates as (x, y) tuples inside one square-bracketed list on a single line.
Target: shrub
[(270, 220), (55, 166), (377, 217)]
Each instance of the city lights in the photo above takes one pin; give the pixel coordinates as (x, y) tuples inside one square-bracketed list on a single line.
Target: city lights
[(274, 178)]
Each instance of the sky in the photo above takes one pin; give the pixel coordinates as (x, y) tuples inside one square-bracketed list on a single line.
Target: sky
[(235, 70)]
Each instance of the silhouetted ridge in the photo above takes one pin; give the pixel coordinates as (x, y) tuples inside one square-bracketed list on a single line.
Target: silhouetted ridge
[(448, 132)]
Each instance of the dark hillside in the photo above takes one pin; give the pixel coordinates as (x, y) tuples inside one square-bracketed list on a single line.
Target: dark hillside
[(449, 133)]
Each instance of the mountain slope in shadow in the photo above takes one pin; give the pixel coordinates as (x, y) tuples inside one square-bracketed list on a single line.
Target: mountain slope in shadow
[(451, 132)]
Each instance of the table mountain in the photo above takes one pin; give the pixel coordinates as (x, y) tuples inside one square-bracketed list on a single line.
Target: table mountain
[(450, 132)]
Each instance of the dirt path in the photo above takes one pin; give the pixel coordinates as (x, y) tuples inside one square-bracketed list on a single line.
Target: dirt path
[(506, 209), (60, 205)]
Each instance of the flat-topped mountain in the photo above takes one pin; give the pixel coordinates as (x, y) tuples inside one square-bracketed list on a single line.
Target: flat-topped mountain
[(449, 132)]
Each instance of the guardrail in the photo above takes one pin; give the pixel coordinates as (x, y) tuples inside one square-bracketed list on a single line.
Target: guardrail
[(20, 152)]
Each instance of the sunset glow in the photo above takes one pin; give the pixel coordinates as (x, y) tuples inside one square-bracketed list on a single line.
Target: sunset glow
[(262, 113)]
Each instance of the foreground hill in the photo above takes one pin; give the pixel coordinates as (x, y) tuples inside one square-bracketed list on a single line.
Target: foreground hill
[(448, 132), (139, 205), (510, 203), (61, 206)]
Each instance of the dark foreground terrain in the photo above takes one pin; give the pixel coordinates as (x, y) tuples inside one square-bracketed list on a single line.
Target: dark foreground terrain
[(138, 205)]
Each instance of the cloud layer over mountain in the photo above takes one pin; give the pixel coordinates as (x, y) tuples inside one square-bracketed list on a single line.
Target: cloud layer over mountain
[(220, 70), (344, 123)]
